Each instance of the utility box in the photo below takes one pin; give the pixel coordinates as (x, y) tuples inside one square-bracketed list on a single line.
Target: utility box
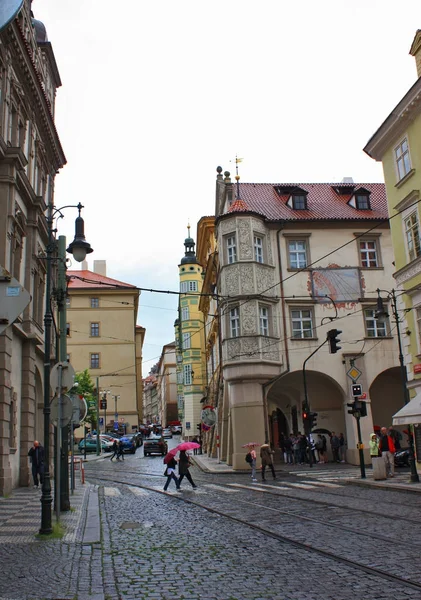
[(379, 469)]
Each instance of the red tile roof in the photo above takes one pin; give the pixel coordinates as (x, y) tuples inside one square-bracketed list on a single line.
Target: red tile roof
[(89, 279), (323, 202)]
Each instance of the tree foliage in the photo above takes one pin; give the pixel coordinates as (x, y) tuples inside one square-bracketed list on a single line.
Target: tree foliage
[(86, 388)]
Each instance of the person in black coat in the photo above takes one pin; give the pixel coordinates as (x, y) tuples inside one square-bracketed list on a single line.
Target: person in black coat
[(36, 454), (170, 473), (183, 469)]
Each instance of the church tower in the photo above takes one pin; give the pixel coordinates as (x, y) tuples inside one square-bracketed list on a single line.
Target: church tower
[(189, 336)]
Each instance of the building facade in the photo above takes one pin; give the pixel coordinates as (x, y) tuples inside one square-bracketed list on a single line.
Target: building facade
[(397, 144), (30, 157), (101, 337), (189, 340), (295, 261), (167, 385)]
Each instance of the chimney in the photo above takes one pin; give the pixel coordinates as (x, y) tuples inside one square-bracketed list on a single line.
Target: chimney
[(347, 180), (100, 267), (415, 51), (85, 265)]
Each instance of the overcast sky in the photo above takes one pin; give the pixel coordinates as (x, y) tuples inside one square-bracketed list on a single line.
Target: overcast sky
[(156, 95)]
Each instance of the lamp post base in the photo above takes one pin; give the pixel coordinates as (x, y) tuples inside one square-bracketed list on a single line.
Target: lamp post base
[(46, 502)]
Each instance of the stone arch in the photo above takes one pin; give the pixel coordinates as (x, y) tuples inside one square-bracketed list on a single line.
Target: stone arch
[(387, 397)]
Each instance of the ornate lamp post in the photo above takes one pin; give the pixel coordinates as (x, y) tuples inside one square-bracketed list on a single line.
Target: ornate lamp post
[(79, 248), (381, 313)]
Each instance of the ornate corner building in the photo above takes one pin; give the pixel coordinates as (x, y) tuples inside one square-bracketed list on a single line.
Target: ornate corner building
[(30, 157), (284, 264)]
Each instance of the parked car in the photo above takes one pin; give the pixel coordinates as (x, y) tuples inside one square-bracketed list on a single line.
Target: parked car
[(155, 445), (402, 457), (137, 437), (128, 443), (166, 433), (176, 429), (91, 445)]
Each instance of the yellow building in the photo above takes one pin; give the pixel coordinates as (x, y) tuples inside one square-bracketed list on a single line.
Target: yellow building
[(397, 144), (102, 337), (189, 332)]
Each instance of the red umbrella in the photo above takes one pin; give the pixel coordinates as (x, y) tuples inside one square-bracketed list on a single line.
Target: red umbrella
[(183, 446)]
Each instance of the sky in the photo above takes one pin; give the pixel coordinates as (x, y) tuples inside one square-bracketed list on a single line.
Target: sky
[(155, 95)]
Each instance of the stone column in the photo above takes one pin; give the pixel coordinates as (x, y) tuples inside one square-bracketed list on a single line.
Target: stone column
[(5, 396)]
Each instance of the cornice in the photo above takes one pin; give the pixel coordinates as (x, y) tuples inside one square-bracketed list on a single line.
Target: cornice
[(408, 271), (396, 123)]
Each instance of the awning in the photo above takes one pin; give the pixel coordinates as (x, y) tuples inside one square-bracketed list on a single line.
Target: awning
[(410, 414)]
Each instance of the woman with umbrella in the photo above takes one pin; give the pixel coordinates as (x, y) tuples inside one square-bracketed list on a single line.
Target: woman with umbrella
[(183, 469)]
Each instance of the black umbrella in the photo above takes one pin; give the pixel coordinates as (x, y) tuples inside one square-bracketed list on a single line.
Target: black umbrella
[(326, 431)]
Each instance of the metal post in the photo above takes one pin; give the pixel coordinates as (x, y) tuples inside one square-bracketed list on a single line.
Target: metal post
[(57, 499), (98, 439), (360, 448), (115, 411), (46, 498), (62, 346), (404, 378), (307, 426)]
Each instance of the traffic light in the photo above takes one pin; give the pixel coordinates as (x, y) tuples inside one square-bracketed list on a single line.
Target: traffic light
[(351, 409), (356, 390), (332, 337), (313, 419), (361, 407)]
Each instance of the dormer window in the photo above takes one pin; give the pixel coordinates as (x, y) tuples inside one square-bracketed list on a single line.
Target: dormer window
[(299, 202), (362, 202)]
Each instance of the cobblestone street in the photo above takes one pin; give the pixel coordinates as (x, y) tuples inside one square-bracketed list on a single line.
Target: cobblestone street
[(305, 535)]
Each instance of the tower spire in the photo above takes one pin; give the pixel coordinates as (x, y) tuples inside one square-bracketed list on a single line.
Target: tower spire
[(237, 177)]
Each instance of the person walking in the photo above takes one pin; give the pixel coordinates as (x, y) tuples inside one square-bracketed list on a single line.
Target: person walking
[(266, 455), (114, 449), (320, 450), (387, 451), (302, 441), (296, 448), (184, 465), (37, 455), (170, 473), (342, 447), (120, 451), (334, 443), (196, 441)]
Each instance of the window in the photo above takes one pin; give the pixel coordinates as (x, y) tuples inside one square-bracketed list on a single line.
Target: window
[(362, 202), (264, 320), (94, 329), (258, 249), (94, 302), (180, 401), (302, 323), (234, 322), (185, 313), (374, 327), (186, 341), (297, 254), (180, 377), (231, 249), (68, 302), (412, 235), (368, 254), (403, 161), (188, 377), (418, 317), (299, 202), (94, 361), (188, 286)]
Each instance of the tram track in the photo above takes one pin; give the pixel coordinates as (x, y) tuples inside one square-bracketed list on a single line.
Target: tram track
[(370, 570), (293, 495)]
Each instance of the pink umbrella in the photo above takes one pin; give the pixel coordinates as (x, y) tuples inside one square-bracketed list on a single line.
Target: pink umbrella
[(251, 444), (183, 446)]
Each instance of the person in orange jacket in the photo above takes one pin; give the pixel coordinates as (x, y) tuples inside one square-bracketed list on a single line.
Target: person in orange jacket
[(387, 451)]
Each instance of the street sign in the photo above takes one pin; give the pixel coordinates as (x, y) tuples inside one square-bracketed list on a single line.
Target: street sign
[(66, 410), (187, 424), (116, 425), (13, 297), (354, 373), (67, 376), (80, 408), (208, 416), (356, 390), (101, 421)]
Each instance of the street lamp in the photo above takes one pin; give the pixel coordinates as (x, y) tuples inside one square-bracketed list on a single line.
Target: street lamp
[(381, 313), (79, 248)]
